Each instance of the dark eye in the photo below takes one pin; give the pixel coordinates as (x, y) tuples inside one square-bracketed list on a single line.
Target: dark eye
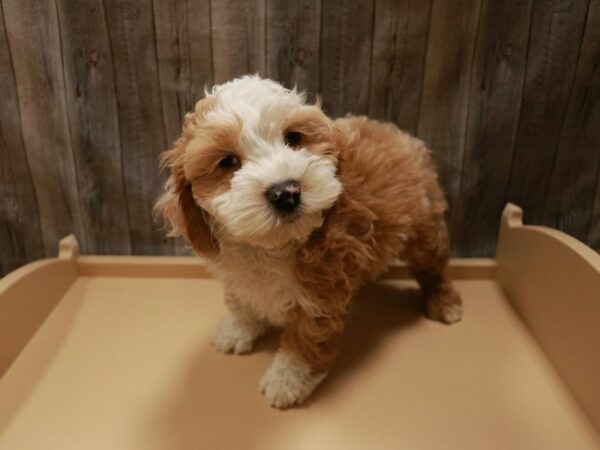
[(292, 138), (229, 162)]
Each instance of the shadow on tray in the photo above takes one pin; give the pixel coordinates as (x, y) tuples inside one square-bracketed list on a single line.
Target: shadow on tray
[(218, 404)]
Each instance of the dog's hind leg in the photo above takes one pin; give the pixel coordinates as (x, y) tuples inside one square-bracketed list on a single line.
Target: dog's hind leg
[(428, 255)]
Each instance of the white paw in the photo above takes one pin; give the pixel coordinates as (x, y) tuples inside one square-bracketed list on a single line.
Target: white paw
[(443, 312), (233, 336), (288, 381)]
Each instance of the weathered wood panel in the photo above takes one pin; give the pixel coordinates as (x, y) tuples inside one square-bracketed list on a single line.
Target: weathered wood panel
[(141, 125), (569, 200), (20, 234), (33, 36), (495, 95), (444, 103), (556, 31), (346, 42), (293, 43), (507, 94), (184, 52), (398, 61), (585, 106), (238, 38), (93, 125)]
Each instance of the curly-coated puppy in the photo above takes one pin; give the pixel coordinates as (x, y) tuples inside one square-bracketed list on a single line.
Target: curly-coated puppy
[(294, 212)]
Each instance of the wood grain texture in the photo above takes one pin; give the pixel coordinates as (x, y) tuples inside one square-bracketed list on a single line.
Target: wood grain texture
[(398, 61), (569, 202), (94, 127), (346, 40), (141, 125), (20, 233), (184, 52), (585, 113), (556, 31), (238, 38), (293, 43), (495, 95), (445, 100), (33, 35), (505, 93)]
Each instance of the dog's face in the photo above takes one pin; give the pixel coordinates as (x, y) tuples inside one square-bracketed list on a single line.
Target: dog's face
[(259, 163)]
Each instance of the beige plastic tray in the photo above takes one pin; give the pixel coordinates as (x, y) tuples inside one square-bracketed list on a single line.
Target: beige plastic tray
[(113, 353)]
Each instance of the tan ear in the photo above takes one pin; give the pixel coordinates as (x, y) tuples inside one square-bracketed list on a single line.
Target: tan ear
[(195, 227), (177, 205)]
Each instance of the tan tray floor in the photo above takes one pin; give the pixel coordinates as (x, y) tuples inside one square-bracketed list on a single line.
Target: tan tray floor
[(125, 363)]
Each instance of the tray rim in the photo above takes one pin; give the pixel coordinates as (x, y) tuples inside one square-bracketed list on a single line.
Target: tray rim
[(193, 266)]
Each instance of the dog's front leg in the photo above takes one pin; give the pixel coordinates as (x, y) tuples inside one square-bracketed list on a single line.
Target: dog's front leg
[(308, 346), (237, 332)]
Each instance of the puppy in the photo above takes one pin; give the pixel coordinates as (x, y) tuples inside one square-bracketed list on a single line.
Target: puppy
[(294, 212)]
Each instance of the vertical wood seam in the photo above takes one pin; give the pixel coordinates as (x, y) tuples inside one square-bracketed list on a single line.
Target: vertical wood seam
[(265, 41), (162, 111), (520, 110), (424, 68), (82, 239), (318, 71), (170, 243), (122, 153), (189, 62), (212, 45), (373, 15), (131, 76), (247, 30), (321, 47), (160, 100), (396, 118), (468, 117)]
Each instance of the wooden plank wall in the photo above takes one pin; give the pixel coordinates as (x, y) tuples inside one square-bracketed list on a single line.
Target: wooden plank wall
[(506, 93)]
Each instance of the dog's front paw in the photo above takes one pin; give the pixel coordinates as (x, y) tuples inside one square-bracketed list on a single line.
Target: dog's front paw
[(234, 336), (288, 381), (445, 307)]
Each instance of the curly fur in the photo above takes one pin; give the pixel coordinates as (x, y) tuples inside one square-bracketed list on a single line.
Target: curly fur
[(370, 195)]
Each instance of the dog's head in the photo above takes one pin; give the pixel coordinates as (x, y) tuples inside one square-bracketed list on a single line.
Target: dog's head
[(255, 164)]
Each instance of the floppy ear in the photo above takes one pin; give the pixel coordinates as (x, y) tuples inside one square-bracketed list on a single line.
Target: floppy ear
[(177, 205)]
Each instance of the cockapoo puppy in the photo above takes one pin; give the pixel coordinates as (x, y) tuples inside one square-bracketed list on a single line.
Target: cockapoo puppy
[(294, 212)]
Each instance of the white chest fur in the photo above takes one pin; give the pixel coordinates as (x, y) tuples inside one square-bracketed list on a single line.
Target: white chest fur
[(263, 281)]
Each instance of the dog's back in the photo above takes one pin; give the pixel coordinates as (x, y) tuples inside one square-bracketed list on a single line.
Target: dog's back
[(390, 173)]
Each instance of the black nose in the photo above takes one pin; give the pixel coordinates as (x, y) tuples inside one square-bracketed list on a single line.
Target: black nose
[(285, 196)]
